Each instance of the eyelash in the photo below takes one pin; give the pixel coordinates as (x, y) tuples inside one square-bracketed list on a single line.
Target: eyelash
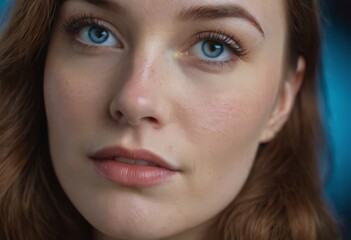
[(74, 24), (228, 40), (221, 37)]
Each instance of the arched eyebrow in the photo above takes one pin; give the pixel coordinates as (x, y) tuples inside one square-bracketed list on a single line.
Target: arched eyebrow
[(219, 11), (195, 12), (109, 4)]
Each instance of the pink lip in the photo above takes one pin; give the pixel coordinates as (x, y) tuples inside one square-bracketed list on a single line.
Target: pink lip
[(130, 174)]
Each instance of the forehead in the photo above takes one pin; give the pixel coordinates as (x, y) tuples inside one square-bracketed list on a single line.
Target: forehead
[(266, 14)]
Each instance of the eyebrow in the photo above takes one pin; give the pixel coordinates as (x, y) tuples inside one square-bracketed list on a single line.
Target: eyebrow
[(108, 4), (217, 12)]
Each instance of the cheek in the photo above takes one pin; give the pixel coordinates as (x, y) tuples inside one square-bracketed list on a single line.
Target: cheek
[(75, 94), (76, 87), (73, 107), (226, 128), (235, 119), (66, 110)]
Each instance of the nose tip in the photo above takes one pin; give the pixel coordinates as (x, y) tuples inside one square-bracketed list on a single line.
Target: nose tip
[(135, 104)]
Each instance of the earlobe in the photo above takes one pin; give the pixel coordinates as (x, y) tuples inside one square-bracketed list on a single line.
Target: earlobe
[(285, 102)]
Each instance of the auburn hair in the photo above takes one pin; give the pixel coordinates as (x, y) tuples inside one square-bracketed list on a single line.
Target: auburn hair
[(281, 199)]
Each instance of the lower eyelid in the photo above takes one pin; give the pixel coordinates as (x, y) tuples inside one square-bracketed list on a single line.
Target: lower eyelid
[(211, 66), (80, 47)]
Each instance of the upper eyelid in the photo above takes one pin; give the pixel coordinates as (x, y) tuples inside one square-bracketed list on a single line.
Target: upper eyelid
[(217, 36), (223, 38), (85, 20), (93, 21)]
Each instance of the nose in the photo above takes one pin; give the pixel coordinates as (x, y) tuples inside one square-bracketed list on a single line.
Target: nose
[(140, 98)]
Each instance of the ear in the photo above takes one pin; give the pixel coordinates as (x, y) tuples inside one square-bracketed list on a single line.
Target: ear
[(285, 101)]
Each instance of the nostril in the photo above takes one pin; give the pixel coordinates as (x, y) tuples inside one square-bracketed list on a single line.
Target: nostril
[(151, 119), (136, 110), (119, 114)]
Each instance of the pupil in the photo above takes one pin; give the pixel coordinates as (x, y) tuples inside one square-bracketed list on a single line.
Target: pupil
[(212, 49), (98, 35)]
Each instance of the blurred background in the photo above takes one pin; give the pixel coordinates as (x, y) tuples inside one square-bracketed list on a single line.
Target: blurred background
[(337, 92), (337, 78)]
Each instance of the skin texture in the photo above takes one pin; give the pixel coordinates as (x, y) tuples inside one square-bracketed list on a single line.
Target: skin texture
[(155, 93)]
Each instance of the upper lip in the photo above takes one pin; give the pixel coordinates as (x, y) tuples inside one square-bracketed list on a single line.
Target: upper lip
[(137, 154)]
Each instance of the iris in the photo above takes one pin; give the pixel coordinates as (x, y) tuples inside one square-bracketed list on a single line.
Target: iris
[(212, 49), (98, 35)]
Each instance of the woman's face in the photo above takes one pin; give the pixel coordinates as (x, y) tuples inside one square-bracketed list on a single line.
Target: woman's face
[(188, 88)]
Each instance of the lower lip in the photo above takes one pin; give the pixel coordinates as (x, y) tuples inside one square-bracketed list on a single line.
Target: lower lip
[(132, 175)]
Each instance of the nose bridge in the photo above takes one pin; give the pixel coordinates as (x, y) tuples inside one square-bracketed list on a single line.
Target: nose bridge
[(140, 97)]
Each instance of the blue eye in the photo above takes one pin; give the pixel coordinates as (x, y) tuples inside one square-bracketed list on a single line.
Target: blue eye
[(98, 35), (211, 50), (94, 35)]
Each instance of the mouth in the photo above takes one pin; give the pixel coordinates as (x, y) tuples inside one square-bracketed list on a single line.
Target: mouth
[(135, 162), (132, 167)]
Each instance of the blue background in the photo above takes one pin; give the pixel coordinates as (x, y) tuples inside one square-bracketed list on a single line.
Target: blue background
[(3, 3), (337, 89), (337, 73)]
